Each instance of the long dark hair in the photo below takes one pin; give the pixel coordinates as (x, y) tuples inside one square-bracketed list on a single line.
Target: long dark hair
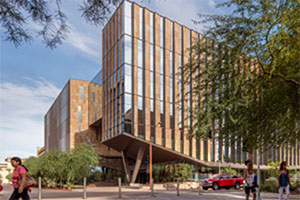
[(281, 165), (17, 159)]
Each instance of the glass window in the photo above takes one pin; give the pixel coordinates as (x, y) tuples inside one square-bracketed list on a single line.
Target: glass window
[(151, 58), (171, 35), (79, 118), (117, 55), (127, 102), (127, 83), (95, 114), (118, 75), (179, 61), (141, 23), (151, 27), (127, 17), (180, 117), (128, 70), (94, 97), (151, 84), (114, 79), (161, 31), (171, 90), (161, 87), (140, 81), (171, 64), (140, 103), (140, 54), (171, 109), (161, 107), (126, 49), (81, 92), (151, 105), (181, 39), (161, 60)]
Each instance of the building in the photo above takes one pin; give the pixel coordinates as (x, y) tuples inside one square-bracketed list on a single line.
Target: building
[(5, 169), (40, 151), (75, 117), (142, 104)]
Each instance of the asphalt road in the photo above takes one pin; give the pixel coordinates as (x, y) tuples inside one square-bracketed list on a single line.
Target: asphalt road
[(105, 193)]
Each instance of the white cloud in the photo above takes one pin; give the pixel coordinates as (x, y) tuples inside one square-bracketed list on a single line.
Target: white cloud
[(22, 109), (86, 42)]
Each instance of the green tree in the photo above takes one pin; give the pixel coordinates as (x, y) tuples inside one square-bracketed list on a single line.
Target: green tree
[(54, 166), (32, 165), (61, 168), (247, 70), (273, 170), (48, 15), (9, 177), (82, 160)]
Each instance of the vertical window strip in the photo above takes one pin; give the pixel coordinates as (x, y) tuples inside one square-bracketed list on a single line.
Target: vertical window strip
[(141, 24), (161, 31), (127, 17), (81, 92), (151, 28)]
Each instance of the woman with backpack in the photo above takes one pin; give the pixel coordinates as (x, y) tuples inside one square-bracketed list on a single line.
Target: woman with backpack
[(19, 180), (283, 181)]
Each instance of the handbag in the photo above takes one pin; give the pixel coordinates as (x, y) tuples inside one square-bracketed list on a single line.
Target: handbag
[(29, 181)]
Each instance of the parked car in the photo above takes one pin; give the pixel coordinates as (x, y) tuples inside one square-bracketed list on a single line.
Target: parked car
[(1, 188), (222, 181)]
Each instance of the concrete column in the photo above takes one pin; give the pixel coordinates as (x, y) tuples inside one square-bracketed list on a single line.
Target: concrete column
[(84, 188), (138, 162), (40, 189), (126, 167)]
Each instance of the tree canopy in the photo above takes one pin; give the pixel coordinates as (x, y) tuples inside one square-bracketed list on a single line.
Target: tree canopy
[(62, 167), (247, 73), (49, 16)]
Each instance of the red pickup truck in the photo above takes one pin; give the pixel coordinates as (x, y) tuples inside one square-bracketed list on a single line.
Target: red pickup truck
[(222, 181)]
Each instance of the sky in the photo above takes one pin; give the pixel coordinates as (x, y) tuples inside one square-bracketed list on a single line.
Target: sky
[(31, 75)]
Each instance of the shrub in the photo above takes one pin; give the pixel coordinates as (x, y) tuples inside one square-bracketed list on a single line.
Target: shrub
[(295, 179), (228, 170), (270, 185), (273, 171), (171, 171)]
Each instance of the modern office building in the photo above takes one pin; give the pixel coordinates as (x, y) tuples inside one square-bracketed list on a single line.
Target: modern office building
[(141, 99), (75, 117)]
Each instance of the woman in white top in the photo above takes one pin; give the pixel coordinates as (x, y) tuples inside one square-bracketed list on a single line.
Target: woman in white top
[(249, 178)]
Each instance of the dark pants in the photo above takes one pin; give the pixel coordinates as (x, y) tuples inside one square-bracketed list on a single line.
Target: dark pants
[(16, 195)]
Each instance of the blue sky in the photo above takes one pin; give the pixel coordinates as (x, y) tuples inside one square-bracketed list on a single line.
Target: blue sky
[(31, 76)]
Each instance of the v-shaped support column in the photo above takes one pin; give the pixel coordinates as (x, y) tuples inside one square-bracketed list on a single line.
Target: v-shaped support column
[(126, 166), (138, 162)]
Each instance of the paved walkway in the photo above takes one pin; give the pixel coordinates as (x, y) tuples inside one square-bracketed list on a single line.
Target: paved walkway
[(106, 193)]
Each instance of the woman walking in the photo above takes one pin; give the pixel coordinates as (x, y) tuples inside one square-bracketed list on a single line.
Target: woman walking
[(249, 178), (283, 181), (19, 173)]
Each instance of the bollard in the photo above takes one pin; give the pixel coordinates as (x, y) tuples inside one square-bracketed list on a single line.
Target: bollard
[(152, 188), (178, 187), (120, 194), (200, 187), (84, 188), (40, 189)]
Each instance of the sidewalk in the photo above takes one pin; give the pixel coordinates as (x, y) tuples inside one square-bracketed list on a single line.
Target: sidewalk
[(106, 193)]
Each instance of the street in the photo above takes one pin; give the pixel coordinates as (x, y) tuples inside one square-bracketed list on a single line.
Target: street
[(105, 193)]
